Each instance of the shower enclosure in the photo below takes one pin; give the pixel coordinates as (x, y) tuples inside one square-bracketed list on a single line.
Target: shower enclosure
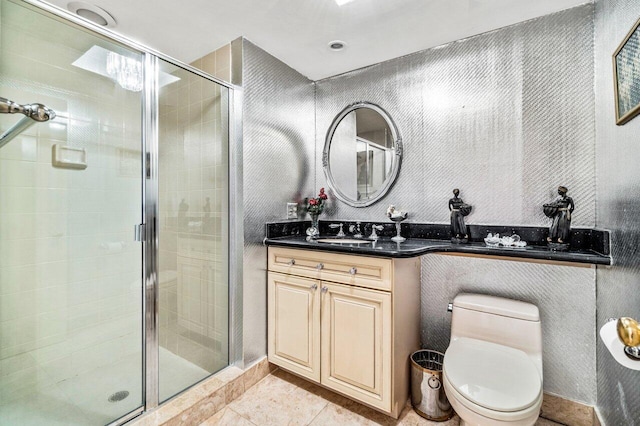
[(114, 223)]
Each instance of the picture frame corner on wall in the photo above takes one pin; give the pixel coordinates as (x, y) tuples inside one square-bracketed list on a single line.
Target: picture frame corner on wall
[(626, 76)]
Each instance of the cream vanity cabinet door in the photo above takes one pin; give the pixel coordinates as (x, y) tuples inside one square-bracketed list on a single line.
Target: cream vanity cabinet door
[(354, 332), (356, 343), (294, 324)]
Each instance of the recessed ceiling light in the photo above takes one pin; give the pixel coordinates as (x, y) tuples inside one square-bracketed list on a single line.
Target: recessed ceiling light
[(337, 45), (92, 13), (343, 2)]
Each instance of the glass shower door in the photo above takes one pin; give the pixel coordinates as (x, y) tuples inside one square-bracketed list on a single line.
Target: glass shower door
[(70, 195), (193, 139)]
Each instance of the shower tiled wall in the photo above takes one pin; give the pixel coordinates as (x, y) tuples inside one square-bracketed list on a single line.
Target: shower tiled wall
[(216, 63), (70, 272)]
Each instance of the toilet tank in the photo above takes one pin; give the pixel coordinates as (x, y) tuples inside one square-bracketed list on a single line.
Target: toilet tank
[(498, 320)]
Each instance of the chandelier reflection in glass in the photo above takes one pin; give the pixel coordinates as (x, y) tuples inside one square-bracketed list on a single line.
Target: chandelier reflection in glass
[(126, 71)]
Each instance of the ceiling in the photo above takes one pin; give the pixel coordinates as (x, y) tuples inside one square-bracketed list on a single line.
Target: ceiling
[(297, 31)]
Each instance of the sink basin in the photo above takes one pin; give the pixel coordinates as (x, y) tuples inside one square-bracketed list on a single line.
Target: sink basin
[(343, 241)]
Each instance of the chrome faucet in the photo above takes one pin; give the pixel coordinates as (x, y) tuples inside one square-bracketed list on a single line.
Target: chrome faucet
[(355, 228), (340, 233), (375, 228)]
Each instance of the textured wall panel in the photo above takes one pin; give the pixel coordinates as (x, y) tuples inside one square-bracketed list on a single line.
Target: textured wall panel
[(618, 204), (278, 161), (505, 116), (564, 295)]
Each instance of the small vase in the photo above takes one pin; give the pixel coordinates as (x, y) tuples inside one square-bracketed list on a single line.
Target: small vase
[(313, 231)]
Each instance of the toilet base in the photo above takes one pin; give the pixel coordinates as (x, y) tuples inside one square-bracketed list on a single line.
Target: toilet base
[(463, 423), (469, 417)]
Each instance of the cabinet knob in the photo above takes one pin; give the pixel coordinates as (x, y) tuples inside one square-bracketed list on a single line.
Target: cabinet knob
[(325, 289), (353, 270), (314, 287), (291, 262), (320, 266)]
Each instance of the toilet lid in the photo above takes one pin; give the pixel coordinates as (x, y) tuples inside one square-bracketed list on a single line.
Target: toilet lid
[(493, 376)]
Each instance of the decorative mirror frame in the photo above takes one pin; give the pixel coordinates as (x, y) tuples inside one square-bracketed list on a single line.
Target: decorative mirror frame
[(397, 143)]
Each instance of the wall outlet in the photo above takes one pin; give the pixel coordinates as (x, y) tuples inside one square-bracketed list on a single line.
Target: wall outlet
[(292, 210)]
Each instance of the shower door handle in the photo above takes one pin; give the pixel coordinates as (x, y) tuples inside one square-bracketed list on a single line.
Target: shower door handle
[(139, 233)]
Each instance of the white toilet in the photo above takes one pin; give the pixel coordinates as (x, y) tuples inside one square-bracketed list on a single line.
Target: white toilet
[(492, 370)]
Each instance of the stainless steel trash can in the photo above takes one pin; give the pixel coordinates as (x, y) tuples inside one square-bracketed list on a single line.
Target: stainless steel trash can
[(427, 390)]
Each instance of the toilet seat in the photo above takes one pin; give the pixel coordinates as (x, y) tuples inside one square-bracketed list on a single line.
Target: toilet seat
[(496, 381)]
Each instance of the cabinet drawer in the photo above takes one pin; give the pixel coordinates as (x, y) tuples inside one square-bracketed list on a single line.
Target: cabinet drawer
[(370, 272)]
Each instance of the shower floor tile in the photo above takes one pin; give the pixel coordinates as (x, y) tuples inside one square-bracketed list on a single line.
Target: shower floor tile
[(32, 398), (46, 406), (176, 374)]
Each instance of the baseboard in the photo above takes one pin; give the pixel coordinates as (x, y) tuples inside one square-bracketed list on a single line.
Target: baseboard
[(597, 418), (565, 411), (211, 395)]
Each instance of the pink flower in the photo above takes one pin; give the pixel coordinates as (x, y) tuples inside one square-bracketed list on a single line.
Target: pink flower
[(323, 195), (313, 202), (322, 190)]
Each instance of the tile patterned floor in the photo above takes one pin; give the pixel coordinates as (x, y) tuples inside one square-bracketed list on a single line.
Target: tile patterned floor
[(284, 399)]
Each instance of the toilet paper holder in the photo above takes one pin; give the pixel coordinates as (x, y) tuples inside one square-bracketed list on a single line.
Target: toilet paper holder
[(629, 334)]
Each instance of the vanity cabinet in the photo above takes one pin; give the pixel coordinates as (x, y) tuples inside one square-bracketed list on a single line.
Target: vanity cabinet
[(346, 322)]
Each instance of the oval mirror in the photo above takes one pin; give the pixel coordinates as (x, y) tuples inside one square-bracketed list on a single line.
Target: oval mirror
[(362, 154)]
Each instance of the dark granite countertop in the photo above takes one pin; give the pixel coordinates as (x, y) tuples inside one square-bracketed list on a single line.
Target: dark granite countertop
[(291, 234)]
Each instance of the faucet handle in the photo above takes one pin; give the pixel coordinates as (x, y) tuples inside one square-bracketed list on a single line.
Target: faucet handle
[(374, 228), (340, 233), (356, 228)]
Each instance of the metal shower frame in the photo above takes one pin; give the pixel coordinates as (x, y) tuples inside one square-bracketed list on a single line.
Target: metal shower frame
[(150, 207)]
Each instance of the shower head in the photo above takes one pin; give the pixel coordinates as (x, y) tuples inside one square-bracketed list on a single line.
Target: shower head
[(39, 112), (36, 112)]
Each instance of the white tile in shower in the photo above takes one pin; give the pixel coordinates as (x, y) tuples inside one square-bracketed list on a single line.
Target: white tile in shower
[(48, 200), (17, 226), (21, 148), (17, 174)]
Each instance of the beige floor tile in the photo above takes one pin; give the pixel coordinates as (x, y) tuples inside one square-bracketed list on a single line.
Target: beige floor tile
[(280, 381), (211, 385), (282, 398), (410, 418), (545, 422), (334, 414), (256, 373), (234, 389), (275, 401), (229, 374), (226, 417), (315, 389)]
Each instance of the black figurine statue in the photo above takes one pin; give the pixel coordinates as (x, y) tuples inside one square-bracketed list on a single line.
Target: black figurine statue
[(560, 211), (458, 211)]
